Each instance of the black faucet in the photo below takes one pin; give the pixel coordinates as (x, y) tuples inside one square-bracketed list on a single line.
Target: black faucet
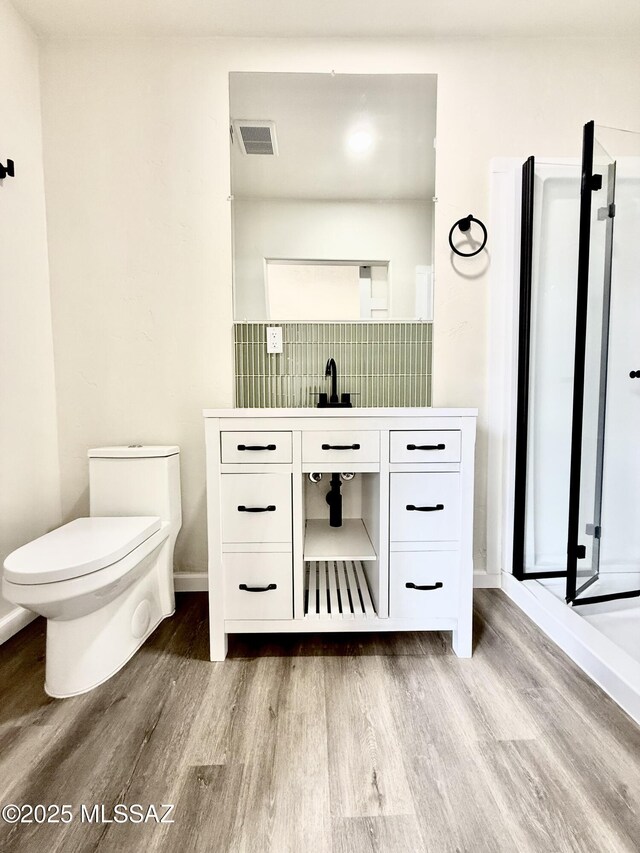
[(332, 371), (324, 400)]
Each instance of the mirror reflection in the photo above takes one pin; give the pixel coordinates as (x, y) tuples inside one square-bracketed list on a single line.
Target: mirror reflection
[(332, 180)]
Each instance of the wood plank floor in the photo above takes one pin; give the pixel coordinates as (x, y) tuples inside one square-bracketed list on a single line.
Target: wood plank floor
[(310, 743)]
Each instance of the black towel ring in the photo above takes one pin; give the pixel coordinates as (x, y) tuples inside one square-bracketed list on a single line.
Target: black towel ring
[(7, 170), (464, 224)]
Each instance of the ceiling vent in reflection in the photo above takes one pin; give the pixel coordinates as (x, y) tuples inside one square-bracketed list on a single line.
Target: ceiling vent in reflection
[(255, 137)]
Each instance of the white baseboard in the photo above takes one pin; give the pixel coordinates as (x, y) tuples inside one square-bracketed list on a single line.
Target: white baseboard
[(190, 581), (13, 622), (487, 580), (615, 671)]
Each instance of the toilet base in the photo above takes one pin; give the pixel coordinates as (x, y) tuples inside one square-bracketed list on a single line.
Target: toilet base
[(85, 652)]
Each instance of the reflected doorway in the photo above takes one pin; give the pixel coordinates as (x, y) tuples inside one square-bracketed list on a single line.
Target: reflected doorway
[(310, 290)]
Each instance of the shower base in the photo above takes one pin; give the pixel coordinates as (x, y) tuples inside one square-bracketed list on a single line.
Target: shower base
[(618, 620), (604, 643)]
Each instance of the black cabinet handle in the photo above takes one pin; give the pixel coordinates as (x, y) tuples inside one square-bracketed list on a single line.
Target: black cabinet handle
[(635, 374), (341, 447), (437, 585), (256, 447), (435, 508), (246, 588), (270, 508), (425, 446)]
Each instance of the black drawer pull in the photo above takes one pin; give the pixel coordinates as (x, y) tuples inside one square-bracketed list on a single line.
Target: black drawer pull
[(246, 588), (270, 508), (256, 447), (435, 508), (341, 447), (437, 585), (425, 446)]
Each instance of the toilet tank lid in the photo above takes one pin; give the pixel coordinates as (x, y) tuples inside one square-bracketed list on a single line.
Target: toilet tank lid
[(133, 451)]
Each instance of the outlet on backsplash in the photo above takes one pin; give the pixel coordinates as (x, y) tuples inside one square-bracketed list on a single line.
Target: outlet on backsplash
[(274, 339)]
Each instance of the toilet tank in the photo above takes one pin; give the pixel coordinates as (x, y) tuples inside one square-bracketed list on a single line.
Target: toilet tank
[(140, 480)]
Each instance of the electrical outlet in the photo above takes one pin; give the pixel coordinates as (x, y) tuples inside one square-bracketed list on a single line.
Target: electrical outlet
[(274, 339)]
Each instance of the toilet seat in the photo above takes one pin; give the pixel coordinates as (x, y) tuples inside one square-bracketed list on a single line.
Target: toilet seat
[(78, 548)]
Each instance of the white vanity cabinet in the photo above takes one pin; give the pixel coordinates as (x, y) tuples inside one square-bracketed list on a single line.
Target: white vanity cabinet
[(401, 559)]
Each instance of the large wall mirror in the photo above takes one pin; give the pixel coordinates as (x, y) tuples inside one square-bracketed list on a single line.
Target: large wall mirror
[(332, 179)]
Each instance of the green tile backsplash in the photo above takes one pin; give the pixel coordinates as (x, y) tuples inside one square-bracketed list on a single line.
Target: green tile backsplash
[(381, 364)]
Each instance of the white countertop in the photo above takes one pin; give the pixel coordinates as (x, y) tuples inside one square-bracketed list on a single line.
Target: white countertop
[(362, 412)]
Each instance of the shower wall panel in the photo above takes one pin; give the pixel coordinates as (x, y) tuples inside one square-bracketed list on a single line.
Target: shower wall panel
[(553, 299)]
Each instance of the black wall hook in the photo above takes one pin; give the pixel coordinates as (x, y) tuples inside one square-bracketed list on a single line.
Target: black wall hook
[(7, 171), (464, 224)]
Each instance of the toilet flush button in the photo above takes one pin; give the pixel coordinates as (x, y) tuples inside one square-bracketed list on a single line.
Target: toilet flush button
[(141, 619)]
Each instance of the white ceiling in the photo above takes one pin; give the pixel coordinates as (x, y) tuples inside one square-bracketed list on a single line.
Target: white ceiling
[(333, 17), (314, 115)]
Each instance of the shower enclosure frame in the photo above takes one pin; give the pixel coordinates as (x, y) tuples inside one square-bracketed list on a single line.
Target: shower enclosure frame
[(577, 581), (613, 668)]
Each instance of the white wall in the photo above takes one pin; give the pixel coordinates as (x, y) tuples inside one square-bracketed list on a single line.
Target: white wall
[(30, 482), (394, 231), (137, 183), (137, 168)]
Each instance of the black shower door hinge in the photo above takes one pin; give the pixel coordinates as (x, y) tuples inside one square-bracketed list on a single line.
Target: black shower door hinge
[(607, 212), (593, 530)]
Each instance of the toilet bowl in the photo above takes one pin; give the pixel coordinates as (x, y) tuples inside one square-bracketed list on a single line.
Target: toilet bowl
[(105, 582)]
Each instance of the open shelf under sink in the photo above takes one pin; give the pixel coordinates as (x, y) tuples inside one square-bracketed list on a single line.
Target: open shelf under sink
[(349, 542)]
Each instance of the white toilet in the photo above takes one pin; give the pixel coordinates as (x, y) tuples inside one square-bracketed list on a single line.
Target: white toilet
[(105, 582)]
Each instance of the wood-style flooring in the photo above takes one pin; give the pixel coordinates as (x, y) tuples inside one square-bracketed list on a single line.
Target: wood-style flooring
[(344, 743)]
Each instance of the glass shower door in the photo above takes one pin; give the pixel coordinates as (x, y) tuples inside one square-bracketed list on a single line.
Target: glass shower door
[(590, 365), (604, 508), (619, 546)]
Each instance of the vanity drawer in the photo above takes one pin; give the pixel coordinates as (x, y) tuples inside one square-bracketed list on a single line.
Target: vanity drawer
[(256, 508), (258, 586), (256, 447), (340, 447), (424, 584), (425, 507), (425, 446)]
